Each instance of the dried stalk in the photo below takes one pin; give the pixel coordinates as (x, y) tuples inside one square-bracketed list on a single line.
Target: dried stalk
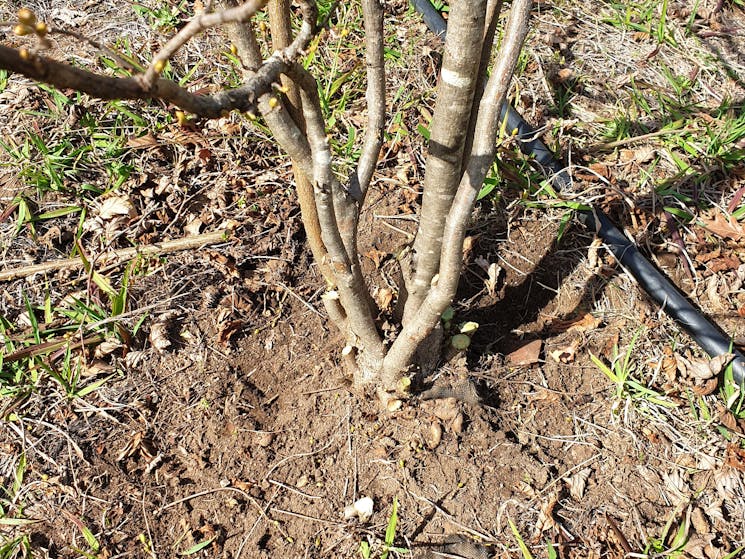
[(117, 256)]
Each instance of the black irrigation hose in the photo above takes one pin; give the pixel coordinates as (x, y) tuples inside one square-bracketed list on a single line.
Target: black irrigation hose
[(657, 286)]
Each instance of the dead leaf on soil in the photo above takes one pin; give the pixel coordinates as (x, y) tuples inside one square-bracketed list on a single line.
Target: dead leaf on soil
[(228, 330), (709, 387), (727, 480), (493, 271), (724, 226), (701, 368), (699, 546), (735, 457), (159, 336), (546, 520), (543, 395), (384, 298), (578, 483), (377, 256), (194, 226), (584, 323), (115, 206), (676, 488), (527, 354), (567, 354), (142, 142)]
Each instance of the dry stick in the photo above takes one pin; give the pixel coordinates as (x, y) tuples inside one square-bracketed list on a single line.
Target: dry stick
[(450, 518), (634, 139), (481, 158), (305, 516), (449, 128), (165, 247)]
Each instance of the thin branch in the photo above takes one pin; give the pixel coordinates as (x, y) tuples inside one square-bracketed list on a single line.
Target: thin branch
[(481, 158), (64, 76), (236, 14), (375, 96), (243, 98)]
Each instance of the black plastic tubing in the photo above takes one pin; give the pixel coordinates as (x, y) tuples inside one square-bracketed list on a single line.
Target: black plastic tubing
[(711, 339)]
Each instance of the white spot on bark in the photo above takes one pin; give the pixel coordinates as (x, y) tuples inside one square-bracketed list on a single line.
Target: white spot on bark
[(322, 157), (455, 79)]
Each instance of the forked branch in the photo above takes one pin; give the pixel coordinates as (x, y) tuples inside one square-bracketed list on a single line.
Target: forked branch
[(479, 161)]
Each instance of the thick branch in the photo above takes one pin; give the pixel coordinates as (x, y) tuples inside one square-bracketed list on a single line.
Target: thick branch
[(482, 156), (449, 126), (292, 139), (351, 285), (493, 9), (375, 96), (279, 22)]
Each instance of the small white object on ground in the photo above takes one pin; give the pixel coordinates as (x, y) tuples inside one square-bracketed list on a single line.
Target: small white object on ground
[(362, 509)]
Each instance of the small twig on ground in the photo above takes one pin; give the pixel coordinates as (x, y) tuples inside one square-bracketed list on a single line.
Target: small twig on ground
[(165, 247), (299, 455), (643, 137), (304, 516), (293, 489), (450, 518)]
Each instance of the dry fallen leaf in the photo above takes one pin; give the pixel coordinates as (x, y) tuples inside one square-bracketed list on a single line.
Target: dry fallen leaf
[(578, 483), (546, 520), (677, 489), (543, 395), (115, 206), (142, 142), (159, 336), (384, 298), (567, 354), (735, 457), (724, 226), (526, 354), (377, 256)]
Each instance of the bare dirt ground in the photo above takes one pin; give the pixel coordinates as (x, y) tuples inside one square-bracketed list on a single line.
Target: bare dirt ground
[(223, 425)]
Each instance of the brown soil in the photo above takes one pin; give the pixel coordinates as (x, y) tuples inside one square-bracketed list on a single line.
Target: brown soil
[(242, 431)]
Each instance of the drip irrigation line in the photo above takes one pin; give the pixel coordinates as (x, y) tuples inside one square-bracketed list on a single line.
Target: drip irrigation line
[(676, 305)]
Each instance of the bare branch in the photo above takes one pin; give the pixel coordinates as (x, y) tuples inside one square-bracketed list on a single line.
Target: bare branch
[(375, 96), (279, 23), (481, 158), (236, 14), (64, 76), (448, 129), (351, 285), (493, 9)]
